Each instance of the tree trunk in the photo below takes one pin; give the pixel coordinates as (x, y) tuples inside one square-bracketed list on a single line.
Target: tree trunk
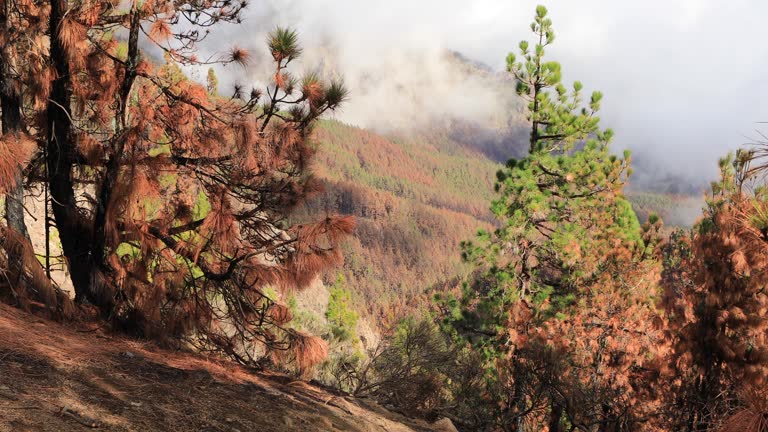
[(10, 102), (14, 199), (110, 178), (73, 232), (518, 405)]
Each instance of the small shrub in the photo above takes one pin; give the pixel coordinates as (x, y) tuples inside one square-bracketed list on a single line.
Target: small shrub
[(410, 370)]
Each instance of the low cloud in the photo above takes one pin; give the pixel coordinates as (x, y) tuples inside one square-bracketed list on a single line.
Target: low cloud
[(683, 79)]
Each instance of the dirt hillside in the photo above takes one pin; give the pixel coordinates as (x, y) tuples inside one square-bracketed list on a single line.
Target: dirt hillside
[(56, 378)]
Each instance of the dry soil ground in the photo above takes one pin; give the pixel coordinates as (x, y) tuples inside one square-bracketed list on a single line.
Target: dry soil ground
[(63, 378)]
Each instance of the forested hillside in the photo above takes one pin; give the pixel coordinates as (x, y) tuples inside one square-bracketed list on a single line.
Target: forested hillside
[(414, 200), (179, 256), (416, 195), (677, 210)]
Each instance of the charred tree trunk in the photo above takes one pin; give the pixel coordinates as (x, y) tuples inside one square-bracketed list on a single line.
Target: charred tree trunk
[(73, 233), (10, 102), (11, 118), (99, 243), (109, 181), (518, 404)]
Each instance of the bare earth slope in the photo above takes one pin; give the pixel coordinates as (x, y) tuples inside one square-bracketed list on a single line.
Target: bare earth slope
[(55, 378)]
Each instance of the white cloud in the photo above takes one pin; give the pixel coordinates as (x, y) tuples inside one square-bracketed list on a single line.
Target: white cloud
[(683, 79)]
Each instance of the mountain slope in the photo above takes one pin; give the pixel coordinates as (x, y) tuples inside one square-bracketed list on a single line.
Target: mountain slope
[(57, 378), (414, 202), (416, 196)]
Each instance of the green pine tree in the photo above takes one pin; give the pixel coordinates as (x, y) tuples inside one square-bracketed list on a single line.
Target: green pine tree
[(562, 203), (562, 217), (557, 117), (342, 318)]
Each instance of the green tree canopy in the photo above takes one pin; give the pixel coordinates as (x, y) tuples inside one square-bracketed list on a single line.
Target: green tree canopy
[(561, 259), (561, 208)]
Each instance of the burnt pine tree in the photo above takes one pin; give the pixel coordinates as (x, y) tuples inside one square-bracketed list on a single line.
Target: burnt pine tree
[(171, 205), (11, 105), (557, 272), (22, 35), (718, 306)]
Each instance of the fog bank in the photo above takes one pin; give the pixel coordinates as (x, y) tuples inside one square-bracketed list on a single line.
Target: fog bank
[(682, 79)]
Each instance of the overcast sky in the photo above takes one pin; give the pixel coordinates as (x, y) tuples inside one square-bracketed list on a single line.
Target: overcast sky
[(684, 80)]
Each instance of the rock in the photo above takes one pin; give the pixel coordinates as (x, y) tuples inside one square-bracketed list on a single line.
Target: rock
[(444, 425)]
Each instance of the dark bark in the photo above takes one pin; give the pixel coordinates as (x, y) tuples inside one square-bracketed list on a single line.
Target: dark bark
[(10, 102), (73, 232), (14, 199), (109, 181), (518, 400), (99, 244)]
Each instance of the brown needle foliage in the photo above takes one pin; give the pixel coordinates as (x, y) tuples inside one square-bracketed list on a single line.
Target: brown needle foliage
[(171, 204), (715, 294)]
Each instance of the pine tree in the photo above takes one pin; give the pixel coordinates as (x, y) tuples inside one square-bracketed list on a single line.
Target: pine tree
[(11, 103), (717, 305), (172, 214), (551, 304), (22, 65), (342, 318), (557, 119)]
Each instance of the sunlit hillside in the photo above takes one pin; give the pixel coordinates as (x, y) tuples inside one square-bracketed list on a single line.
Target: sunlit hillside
[(414, 202), (383, 216), (416, 196)]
